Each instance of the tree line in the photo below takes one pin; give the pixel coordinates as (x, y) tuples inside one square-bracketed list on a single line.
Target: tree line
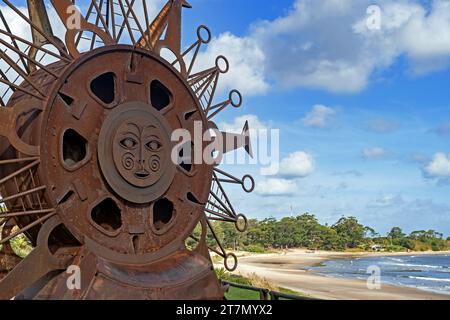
[(305, 231)]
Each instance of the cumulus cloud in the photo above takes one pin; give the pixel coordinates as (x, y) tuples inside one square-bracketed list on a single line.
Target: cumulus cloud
[(319, 117), (327, 45), (246, 59), (297, 165), (439, 167), (276, 187), (324, 44), (374, 153)]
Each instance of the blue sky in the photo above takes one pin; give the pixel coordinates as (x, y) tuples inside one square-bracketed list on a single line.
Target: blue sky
[(373, 157), (364, 115)]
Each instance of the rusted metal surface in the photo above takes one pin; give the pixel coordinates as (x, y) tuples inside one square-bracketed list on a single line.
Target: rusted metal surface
[(86, 170)]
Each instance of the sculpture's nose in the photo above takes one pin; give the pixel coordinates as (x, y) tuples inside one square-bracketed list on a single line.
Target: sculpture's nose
[(141, 159), (142, 173)]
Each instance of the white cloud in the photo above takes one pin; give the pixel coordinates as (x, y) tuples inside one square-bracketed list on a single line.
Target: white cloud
[(238, 123), (439, 167), (322, 44), (260, 134), (320, 117), (410, 29), (374, 153), (426, 38), (15, 22), (276, 187), (246, 60), (327, 45), (297, 165)]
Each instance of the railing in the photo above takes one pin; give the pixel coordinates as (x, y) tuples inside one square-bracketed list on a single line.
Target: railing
[(265, 294)]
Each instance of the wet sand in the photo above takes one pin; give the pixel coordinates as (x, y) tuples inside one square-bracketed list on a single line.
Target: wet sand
[(289, 270)]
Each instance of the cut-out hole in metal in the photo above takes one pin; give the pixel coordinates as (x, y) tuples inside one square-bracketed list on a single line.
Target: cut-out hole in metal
[(58, 234), (192, 198), (185, 156), (188, 115), (74, 148), (103, 87), (135, 241), (67, 100), (107, 215), (192, 242), (66, 197), (160, 95), (163, 212)]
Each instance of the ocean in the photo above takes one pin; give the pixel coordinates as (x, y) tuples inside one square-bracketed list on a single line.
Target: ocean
[(424, 272)]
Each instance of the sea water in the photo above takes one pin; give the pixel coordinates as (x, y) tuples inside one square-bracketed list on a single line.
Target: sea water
[(424, 272)]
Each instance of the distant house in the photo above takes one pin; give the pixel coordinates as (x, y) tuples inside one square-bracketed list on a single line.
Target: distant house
[(377, 247)]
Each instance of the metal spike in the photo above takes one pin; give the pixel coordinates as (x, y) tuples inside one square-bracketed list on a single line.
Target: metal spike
[(38, 15), (168, 19)]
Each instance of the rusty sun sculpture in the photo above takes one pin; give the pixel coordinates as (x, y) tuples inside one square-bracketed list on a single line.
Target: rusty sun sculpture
[(85, 154)]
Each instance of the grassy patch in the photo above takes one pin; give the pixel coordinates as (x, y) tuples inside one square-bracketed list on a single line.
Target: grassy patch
[(216, 259), (230, 277), (253, 280), (241, 294), (256, 249)]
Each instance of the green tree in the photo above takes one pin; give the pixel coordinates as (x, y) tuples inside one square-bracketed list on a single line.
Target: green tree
[(370, 232), (305, 231), (329, 239), (264, 234), (309, 231), (231, 238), (218, 230), (350, 232), (396, 233)]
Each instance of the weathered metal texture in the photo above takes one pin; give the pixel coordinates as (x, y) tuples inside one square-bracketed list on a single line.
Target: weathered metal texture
[(86, 170)]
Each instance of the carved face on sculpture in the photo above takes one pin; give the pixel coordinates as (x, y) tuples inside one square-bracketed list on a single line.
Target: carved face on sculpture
[(138, 151)]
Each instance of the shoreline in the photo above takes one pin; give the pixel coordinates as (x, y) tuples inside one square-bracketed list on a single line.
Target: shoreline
[(368, 254), (290, 270)]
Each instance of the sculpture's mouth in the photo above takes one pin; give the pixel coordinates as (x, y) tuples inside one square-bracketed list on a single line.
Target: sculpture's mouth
[(141, 174)]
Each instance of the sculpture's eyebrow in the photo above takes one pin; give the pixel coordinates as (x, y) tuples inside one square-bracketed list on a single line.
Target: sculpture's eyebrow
[(150, 127), (124, 133), (151, 133), (151, 136), (135, 126), (132, 128)]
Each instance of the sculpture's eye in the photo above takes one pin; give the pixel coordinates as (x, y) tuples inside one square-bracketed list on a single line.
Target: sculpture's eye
[(128, 143), (153, 145)]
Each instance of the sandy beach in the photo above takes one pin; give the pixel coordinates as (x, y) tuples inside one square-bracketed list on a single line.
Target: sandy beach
[(289, 270)]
